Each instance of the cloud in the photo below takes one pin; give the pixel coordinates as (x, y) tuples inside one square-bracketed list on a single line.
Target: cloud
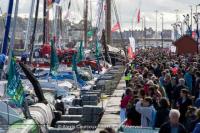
[(126, 10)]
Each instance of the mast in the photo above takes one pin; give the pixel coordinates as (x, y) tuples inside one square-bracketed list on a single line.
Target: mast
[(44, 21), (29, 25), (85, 22), (13, 31), (108, 22), (34, 30), (7, 27)]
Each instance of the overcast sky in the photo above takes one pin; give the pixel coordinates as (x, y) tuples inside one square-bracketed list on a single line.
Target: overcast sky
[(126, 10)]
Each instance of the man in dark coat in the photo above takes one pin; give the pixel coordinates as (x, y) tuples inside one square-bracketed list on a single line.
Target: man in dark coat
[(173, 126)]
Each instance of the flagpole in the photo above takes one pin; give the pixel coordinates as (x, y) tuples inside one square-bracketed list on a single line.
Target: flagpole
[(13, 33)]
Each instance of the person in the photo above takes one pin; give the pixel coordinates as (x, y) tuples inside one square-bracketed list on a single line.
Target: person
[(124, 103), (197, 84), (133, 117), (168, 86), (60, 105), (24, 57), (191, 118), (147, 111), (194, 122), (188, 79), (179, 87), (173, 125), (197, 128), (183, 103), (162, 114)]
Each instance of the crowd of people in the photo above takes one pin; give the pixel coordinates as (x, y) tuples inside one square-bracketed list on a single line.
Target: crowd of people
[(162, 91)]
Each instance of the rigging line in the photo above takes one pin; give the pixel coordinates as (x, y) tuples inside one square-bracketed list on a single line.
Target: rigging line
[(2, 17), (122, 39)]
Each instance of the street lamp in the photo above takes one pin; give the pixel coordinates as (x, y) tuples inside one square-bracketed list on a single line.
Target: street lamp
[(156, 24), (162, 17)]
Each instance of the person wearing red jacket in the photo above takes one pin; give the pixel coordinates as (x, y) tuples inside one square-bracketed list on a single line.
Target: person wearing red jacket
[(124, 102)]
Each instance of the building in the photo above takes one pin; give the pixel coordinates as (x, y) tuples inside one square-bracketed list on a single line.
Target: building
[(186, 45)]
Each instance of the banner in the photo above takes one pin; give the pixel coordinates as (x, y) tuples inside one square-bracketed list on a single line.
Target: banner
[(173, 49), (132, 43), (15, 89)]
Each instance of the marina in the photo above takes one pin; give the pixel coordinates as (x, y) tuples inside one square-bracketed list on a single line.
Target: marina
[(99, 66)]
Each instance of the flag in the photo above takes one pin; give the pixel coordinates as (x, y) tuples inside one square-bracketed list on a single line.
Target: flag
[(90, 33), (74, 65), (15, 89), (80, 52), (97, 53), (132, 43), (131, 55), (193, 35), (54, 60), (138, 16), (116, 27)]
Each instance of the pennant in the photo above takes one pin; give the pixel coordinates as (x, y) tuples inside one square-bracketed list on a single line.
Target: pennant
[(138, 16), (54, 60), (80, 52), (15, 89), (115, 27)]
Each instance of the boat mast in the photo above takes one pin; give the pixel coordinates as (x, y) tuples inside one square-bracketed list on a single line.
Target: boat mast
[(34, 30), (85, 22), (13, 33), (29, 25), (7, 27), (108, 22), (106, 34)]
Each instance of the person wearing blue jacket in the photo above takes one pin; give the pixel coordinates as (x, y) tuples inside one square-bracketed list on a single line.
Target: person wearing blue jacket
[(188, 80), (197, 128), (146, 109)]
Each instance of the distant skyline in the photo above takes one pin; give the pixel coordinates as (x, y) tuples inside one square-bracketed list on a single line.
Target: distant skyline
[(126, 10)]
